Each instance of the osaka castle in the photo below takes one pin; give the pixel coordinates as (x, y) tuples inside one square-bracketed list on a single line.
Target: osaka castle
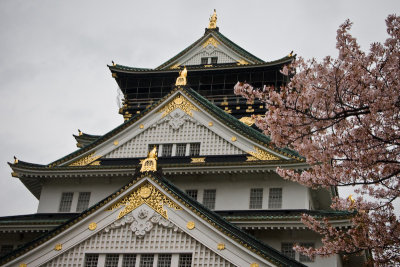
[(186, 180)]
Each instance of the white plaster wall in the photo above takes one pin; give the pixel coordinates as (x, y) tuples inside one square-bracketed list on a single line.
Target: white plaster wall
[(99, 187), (233, 191), (275, 238)]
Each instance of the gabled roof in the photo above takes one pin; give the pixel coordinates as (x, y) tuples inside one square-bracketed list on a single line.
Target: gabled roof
[(217, 113), (248, 242), (83, 139), (224, 40)]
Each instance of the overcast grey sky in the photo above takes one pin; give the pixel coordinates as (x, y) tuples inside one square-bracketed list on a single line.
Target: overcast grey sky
[(53, 74)]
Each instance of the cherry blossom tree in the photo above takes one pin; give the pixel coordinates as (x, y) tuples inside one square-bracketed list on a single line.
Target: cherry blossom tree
[(343, 116)]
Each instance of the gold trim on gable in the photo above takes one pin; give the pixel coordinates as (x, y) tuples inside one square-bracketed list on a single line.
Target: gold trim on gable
[(85, 160), (148, 194), (261, 155), (211, 41), (181, 103)]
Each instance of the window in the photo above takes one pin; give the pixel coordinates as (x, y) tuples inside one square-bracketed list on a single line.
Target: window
[(129, 260), (304, 258), (204, 60), (91, 260), (192, 193), (214, 60), (256, 198), (185, 260), (180, 150), (112, 260), (275, 198), (164, 260), (287, 250), (194, 149), (83, 201), (146, 260), (166, 150), (5, 249), (66, 201), (209, 198)]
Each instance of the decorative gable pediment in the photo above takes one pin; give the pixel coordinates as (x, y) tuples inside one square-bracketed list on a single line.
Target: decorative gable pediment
[(211, 45), (180, 119), (149, 217)]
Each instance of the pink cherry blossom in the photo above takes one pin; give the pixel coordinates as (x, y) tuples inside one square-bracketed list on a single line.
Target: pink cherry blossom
[(343, 116)]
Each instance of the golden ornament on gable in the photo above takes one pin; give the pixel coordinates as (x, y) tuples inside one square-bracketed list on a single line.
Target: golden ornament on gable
[(85, 160), (58, 247), (178, 102), (92, 226), (148, 194), (260, 155), (190, 225)]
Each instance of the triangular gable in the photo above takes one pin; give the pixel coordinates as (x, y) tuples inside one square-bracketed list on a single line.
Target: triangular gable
[(179, 119), (149, 215), (211, 44), (202, 111)]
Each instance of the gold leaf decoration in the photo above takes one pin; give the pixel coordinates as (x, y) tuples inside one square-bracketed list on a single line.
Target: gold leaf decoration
[(58, 247), (242, 62), (181, 103), (190, 225), (92, 226), (247, 120), (148, 194), (85, 160), (211, 41), (197, 160), (261, 155)]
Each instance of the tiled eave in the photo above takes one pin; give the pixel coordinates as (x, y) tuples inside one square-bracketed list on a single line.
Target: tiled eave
[(127, 69), (21, 170)]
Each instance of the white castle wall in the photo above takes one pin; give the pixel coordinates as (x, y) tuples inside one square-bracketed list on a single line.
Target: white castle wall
[(232, 190)]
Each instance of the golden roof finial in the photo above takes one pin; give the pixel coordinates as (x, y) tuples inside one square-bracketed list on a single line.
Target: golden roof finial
[(213, 20), (80, 132), (150, 163), (181, 80), (15, 160)]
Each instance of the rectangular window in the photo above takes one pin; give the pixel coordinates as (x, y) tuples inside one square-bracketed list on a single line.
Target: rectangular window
[(275, 198), (146, 260), (256, 198), (166, 150), (83, 201), (209, 198), (91, 260), (129, 260), (304, 258), (5, 249), (180, 150), (66, 201), (287, 250), (214, 60), (192, 193), (112, 260), (164, 260), (185, 260), (194, 149), (204, 60)]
